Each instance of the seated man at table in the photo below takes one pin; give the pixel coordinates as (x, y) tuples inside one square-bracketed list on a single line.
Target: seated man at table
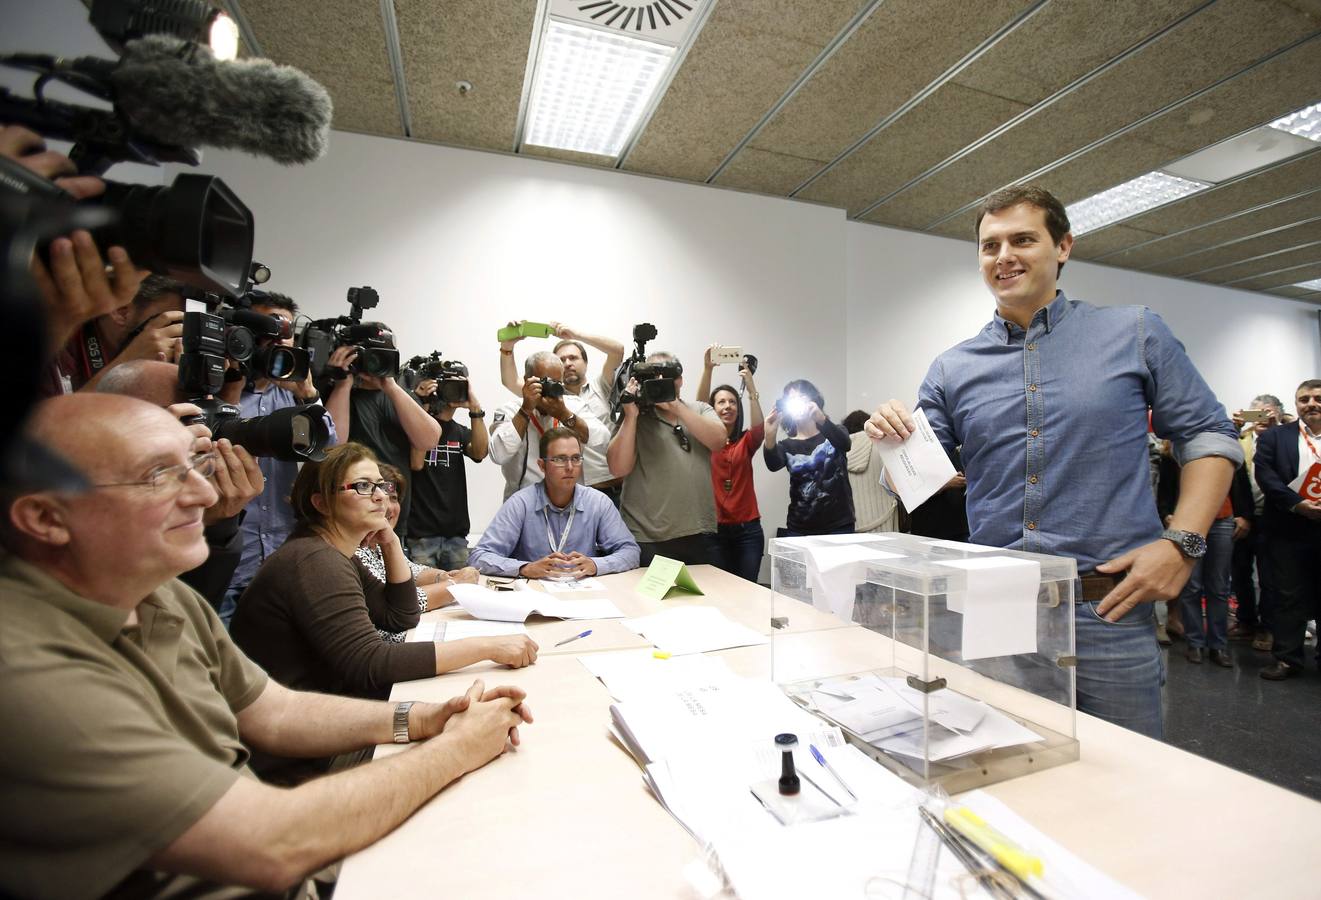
[(129, 712), (556, 527)]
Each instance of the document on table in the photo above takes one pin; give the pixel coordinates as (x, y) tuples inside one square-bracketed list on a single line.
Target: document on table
[(833, 572), (693, 629), (459, 629), (630, 674), (918, 467), (516, 606), (999, 606), (550, 586)]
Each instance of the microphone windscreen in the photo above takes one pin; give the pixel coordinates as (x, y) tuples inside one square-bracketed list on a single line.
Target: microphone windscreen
[(178, 93)]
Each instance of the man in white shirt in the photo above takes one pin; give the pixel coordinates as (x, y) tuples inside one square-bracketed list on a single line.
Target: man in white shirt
[(1253, 614), (518, 426)]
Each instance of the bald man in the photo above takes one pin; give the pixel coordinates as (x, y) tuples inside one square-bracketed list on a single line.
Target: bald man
[(238, 477), (128, 711)]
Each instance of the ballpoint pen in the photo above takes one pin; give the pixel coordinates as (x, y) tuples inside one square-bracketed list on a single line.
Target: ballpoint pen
[(963, 852), (1026, 868), (816, 754), (574, 638)]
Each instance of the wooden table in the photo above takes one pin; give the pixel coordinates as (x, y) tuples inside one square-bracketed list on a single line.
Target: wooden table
[(567, 814)]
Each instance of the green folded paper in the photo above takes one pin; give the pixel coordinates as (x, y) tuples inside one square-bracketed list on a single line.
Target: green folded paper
[(665, 575)]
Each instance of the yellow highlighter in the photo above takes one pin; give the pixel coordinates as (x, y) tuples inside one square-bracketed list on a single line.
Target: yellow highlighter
[(1012, 857)]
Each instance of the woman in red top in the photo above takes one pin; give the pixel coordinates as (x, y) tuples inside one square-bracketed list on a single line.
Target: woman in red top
[(739, 538)]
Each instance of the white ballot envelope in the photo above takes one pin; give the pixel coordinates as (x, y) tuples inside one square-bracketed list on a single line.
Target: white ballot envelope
[(918, 467)]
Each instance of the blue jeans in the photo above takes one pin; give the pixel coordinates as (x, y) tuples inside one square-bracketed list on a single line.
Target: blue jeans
[(1210, 574), (446, 553), (739, 548), (1120, 668)]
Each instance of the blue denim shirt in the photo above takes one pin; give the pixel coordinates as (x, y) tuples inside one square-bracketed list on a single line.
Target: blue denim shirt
[(1052, 422), (269, 517), (517, 534)]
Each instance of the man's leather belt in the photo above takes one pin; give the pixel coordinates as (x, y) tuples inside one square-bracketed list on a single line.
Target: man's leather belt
[(1096, 586)]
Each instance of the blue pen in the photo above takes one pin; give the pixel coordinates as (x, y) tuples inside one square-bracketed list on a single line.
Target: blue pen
[(816, 754), (574, 638)]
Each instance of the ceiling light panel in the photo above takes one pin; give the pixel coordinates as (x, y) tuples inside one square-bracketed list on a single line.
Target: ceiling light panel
[(1305, 123), (592, 87), (1129, 199), (1313, 285)]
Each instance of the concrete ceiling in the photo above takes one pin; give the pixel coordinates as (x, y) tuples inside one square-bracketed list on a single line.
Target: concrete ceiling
[(901, 112)]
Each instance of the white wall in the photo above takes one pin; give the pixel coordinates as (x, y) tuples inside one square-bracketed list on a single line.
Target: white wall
[(910, 296), (459, 242)]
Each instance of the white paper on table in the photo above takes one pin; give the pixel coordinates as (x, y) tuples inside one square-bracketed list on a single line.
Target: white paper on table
[(1000, 605), (693, 629), (918, 467), (630, 674), (460, 629), (834, 572), (550, 586), (516, 606), (424, 633)]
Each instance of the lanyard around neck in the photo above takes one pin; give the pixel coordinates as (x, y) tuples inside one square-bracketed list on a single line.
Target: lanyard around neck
[(564, 535)]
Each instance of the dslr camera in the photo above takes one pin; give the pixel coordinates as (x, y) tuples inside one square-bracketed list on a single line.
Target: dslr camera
[(450, 375), (292, 434), (552, 389), (374, 341)]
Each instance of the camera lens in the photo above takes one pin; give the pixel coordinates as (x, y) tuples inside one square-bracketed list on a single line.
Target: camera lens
[(239, 343), (292, 434)]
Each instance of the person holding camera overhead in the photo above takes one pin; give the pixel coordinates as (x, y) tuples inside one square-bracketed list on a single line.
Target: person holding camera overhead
[(374, 410), (438, 535), (816, 454), (739, 537), (662, 449), (518, 426)]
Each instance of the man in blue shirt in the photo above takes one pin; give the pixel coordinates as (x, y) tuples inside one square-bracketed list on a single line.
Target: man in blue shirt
[(556, 527), (1048, 404), (269, 518)]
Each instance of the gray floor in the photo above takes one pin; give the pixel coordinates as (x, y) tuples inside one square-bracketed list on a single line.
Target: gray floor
[(1268, 729)]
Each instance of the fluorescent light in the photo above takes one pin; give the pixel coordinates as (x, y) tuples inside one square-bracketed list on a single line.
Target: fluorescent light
[(1304, 123), (1128, 199), (1239, 155), (591, 88), (1313, 285)]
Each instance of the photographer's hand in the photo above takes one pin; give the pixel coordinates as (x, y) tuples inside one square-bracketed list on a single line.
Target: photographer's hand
[(531, 395), (28, 149), (427, 387), (201, 434), (160, 340), (509, 344), (237, 479)]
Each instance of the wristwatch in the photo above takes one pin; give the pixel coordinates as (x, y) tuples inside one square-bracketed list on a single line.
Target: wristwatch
[(572, 421), (401, 721), (1190, 543), (479, 414)]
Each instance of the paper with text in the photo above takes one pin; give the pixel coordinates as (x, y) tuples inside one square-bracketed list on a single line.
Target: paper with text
[(516, 606), (918, 467)]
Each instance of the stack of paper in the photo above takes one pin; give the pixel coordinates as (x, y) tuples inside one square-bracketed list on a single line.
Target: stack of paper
[(693, 629), (516, 606), (888, 714), (551, 586), (630, 674)]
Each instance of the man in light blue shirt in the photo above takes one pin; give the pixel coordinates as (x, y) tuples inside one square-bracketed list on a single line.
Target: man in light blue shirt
[(1049, 406), (556, 527), (269, 518)]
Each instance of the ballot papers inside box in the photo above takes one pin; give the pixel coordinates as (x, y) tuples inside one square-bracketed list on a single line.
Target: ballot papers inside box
[(952, 663)]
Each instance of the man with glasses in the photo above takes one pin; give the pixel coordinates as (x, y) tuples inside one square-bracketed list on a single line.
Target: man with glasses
[(556, 528), (664, 457), (130, 712)]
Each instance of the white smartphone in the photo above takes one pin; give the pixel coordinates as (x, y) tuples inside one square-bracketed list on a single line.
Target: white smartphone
[(721, 354)]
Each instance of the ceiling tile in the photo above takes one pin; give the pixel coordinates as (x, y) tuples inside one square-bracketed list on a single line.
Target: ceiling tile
[(483, 43), (1090, 246), (1281, 279), (749, 53), (767, 172), (1211, 260), (1307, 254), (340, 43)]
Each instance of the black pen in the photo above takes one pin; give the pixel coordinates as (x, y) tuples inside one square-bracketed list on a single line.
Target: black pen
[(965, 855)]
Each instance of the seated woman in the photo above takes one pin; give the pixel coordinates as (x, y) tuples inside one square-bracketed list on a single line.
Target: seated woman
[(816, 454), (433, 585), (310, 616)]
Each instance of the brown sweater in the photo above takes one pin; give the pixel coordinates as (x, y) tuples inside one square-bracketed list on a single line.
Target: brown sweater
[(310, 616)]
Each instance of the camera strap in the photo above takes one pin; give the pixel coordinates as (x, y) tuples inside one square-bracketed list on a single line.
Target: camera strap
[(93, 356)]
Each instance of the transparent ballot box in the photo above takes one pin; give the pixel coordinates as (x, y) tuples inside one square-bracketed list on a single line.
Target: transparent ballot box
[(954, 663)]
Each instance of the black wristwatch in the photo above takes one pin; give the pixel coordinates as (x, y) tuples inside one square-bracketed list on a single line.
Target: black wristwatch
[(1190, 543), (480, 414)]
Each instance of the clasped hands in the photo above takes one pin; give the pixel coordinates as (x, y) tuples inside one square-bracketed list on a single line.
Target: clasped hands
[(559, 565)]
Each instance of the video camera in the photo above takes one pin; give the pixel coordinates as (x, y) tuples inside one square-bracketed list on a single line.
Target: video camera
[(451, 377), (374, 341), (656, 380)]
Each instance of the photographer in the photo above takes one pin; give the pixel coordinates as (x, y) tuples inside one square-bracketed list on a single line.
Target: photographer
[(237, 478), (77, 286), (269, 518), (150, 327), (518, 426), (664, 457), (585, 397), (438, 535), (378, 413), (816, 454)]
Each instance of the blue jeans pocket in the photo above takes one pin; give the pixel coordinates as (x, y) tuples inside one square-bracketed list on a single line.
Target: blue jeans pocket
[(1138, 615)]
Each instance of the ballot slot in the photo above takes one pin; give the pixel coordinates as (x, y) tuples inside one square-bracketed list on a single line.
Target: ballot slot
[(954, 663)]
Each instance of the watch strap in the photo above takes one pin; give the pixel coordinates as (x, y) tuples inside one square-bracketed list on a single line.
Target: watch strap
[(401, 721), (1190, 543)]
